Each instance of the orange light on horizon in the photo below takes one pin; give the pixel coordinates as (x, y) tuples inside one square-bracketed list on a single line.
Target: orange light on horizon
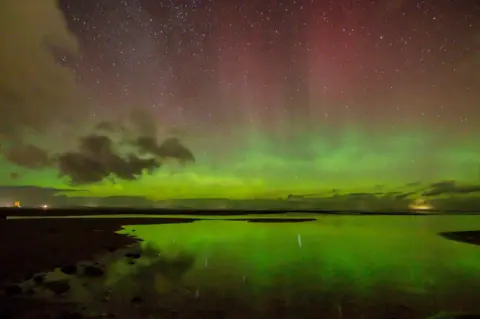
[(420, 204), (16, 204)]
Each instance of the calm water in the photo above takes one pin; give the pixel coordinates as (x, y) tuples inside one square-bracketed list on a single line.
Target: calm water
[(353, 259), (339, 266)]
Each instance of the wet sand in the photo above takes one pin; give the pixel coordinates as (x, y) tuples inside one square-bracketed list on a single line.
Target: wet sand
[(28, 247)]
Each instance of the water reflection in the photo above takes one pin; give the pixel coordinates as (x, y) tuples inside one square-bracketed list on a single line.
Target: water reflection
[(330, 267), (396, 264)]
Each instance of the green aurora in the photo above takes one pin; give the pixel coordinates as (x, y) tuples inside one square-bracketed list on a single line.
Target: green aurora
[(363, 114), (404, 162)]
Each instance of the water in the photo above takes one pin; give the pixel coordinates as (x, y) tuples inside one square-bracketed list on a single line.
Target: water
[(357, 260), (336, 266)]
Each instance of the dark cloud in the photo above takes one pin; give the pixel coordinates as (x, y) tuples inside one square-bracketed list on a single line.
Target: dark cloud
[(146, 144), (405, 195), (97, 157), (35, 90), (37, 93), (97, 160), (27, 155), (450, 188), (171, 148)]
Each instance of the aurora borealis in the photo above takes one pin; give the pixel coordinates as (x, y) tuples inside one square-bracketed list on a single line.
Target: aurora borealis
[(261, 99)]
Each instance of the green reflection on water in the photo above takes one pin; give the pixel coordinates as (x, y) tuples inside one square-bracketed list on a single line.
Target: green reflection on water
[(402, 253)]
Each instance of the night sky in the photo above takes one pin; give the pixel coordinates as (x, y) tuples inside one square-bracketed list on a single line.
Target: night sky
[(239, 99)]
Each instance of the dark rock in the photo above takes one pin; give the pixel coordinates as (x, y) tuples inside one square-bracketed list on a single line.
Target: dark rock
[(132, 255), (70, 315), (173, 313), (69, 270), (13, 290), (52, 231), (58, 287), (455, 316), (468, 237), (137, 300), (107, 295), (93, 271), (212, 314), (39, 279), (5, 314), (30, 292)]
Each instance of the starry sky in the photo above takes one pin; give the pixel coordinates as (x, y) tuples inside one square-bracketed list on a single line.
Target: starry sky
[(207, 98)]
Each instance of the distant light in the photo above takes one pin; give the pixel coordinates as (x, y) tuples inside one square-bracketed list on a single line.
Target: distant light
[(420, 204), (45, 206)]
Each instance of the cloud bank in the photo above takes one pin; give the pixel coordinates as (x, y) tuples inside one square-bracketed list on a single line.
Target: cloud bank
[(37, 93)]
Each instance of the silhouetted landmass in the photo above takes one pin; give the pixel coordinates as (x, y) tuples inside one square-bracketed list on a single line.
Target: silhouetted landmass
[(277, 220), (469, 237), (441, 197)]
